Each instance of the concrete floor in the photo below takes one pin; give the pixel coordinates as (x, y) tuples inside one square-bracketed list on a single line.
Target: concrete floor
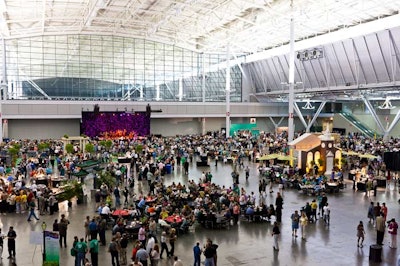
[(246, 243)]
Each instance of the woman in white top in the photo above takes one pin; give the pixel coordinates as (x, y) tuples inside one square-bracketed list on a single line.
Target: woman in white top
[(155, 255)]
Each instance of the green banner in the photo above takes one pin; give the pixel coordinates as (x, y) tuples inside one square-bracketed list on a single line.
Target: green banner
[(52, 248)]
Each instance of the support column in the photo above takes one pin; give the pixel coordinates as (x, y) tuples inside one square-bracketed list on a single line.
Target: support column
[(228, 92), (203, 126), (291, 77), (3, 87), (203, 78)]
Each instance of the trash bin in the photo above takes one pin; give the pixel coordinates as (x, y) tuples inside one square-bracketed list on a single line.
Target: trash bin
[(375, 253), (168, 169)]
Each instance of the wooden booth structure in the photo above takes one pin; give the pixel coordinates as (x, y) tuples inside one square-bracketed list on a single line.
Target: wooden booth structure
[(317, 151)]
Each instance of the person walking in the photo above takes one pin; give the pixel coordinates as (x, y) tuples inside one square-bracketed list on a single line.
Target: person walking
[(370, 213), (2, 236), (275, 234), (360, 234), (94, 251), (164, 245), (327, 213), (32, 207), (86, 227), (81, 250), (155, 255), (172, 239), (11, 236), (113, 249), (123, 242), (392, 230), (197, 254), (303, 224), (209, 253), (142, 255), (62, 229), (278, 207), (295, 217), (380, 229)]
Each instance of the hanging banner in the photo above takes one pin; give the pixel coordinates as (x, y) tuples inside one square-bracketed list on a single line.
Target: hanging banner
[(52, 247)]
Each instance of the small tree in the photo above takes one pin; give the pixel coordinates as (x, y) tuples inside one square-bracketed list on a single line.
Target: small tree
[(108, 144), (43, 146), (89, 147), (13, 151), (107, 178), (69, 148)]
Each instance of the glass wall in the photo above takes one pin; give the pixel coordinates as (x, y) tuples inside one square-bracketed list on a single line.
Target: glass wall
[(86, 67)]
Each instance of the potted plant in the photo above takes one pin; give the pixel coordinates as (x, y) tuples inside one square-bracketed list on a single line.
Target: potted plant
[(13, 151), (70, 190), (107, 178), (69, 148)]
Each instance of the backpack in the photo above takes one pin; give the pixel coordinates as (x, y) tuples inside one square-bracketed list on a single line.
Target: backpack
[(112, 247)]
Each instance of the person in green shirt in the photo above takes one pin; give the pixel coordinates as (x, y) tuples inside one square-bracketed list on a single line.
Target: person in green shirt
[(94, 251), (81, 249)]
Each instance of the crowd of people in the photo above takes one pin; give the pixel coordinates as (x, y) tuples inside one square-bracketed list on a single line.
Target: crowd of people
[(176, 207)]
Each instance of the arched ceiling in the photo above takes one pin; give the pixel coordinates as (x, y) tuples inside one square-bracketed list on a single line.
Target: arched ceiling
[(248, 26)]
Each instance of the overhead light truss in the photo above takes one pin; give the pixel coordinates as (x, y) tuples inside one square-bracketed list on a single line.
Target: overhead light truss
[(387, 105)]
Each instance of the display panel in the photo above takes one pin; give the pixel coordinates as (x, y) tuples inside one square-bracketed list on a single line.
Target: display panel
[(115, 125)]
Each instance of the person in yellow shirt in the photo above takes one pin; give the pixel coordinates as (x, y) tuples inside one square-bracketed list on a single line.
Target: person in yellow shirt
[(24, 200), (164, 214), (18, 203), (314, 207)]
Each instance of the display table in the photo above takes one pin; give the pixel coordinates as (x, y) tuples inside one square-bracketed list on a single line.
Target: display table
[(174, 219)]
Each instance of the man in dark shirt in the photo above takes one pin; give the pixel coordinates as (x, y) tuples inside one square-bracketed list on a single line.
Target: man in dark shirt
[(11, 235), (209, 253)]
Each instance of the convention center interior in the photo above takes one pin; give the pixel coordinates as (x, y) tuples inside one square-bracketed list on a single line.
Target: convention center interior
[(199, 132)]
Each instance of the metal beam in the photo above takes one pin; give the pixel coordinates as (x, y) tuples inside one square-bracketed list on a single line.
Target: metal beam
[(370, 60), (276, 125), (299, 114), (348, 61), (338, 64), (319, 110), (392, 125), (359, 61), (373, 113), (383, 56)]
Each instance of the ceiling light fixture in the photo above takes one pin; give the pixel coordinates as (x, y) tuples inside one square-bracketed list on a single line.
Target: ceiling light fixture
[(387, 105), (308, 106)]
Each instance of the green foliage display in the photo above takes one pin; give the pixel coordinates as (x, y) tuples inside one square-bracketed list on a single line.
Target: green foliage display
[(43, 146), (89, 147), (107, 178), (70, 189), (139, 148), (108, 144), (69, 148), (13, 150)]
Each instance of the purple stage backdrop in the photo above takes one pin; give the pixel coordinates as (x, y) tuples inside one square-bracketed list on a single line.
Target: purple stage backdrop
[(115, 124)]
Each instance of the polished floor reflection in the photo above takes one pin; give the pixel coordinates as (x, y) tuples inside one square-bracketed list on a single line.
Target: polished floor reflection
[(247, 243)]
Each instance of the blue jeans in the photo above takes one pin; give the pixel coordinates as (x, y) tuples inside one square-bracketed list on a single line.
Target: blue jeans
[(32, 213), (80, 259), (196, 260), (209, 262)]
